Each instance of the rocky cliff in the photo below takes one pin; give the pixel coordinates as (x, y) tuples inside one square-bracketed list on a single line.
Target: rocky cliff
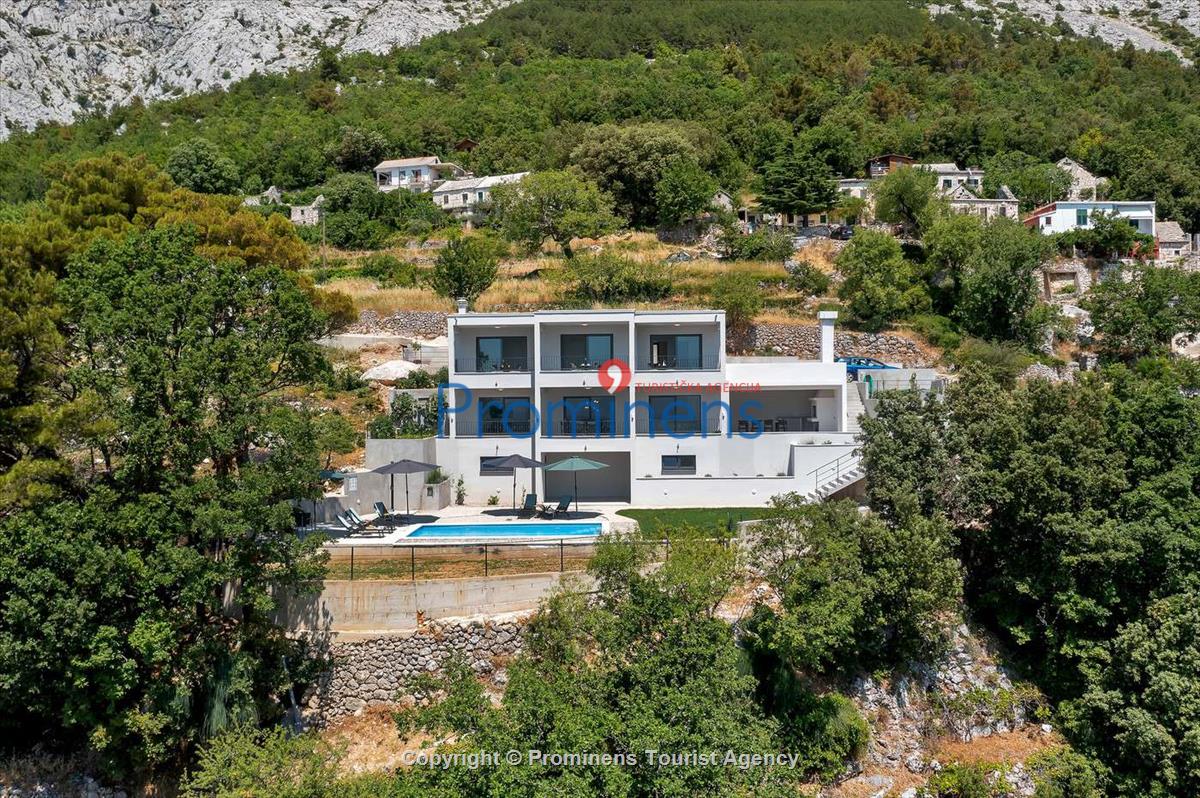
[(60, 57)]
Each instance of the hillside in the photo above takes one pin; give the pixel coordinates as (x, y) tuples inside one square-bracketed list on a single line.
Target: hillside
[(58, 59)]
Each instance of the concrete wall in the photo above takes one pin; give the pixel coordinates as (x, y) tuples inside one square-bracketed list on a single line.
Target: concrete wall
[(383, 606), (607, 484)]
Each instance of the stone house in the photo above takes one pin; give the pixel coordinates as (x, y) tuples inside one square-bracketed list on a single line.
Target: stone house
[(308, 215), (1084, 185), (963, 200), (1173, 243), (463, 197)]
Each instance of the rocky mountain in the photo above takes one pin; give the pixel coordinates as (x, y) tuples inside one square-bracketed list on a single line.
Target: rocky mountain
[(58, 57), (1147, 24)]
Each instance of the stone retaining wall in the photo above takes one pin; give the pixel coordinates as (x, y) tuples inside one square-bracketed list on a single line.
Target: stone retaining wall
[(804, 341), (372, 672), (413, 323)]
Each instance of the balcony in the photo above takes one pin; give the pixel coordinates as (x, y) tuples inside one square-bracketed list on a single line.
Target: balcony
[(557, 363), (584, 428), (706, 362), (672, 427), (487, 365), (491, 428)]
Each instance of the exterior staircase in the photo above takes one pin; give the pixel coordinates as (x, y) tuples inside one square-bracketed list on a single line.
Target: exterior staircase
[(835, 475), (854, 407)]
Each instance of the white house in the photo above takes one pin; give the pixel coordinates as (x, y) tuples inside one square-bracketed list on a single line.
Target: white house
[(416, 174), (1064, 215), (653, 396), (461, 197), (950, 176)]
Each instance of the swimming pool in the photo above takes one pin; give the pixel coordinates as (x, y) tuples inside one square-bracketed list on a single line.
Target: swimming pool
[(503, 530)]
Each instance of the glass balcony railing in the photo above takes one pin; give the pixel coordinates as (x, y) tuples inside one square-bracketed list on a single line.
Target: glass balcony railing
[(707, 362), (484, 365)]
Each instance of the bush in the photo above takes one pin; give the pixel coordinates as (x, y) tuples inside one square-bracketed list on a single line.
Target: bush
[(611, 278), (881, 286), (806, 278), (381, 427), (465, 268), (248, 762), (738, 295), (939, 331), (352, 230), (759, 245), (1007, 360), (388, 271)]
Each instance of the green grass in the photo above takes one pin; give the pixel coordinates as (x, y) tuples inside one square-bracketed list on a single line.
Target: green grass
[(656, 523)]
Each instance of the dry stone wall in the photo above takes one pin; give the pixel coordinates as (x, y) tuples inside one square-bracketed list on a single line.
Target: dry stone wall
[(413, 323), (375, 671), (804, 341)]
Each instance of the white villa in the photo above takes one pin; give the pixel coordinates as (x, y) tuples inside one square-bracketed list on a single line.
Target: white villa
[(1064, 215), (461, 197), (416, 174), (689, 426), (950, 176)]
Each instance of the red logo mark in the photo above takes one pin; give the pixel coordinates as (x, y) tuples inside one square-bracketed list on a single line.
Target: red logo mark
[(614, 375)]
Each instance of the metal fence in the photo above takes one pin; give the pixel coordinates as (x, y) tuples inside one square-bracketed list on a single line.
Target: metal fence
[(469, 560)]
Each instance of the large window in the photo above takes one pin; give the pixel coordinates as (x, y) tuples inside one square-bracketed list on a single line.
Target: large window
[(504, 416), (507, 353), (675, 414), (585, 351), (678, 464), (676, 351), (587, 415), (1081, 217), (486, 469)]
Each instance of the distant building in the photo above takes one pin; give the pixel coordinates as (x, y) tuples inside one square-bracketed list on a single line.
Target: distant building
[(964, 200), (881, 165), (272, 196), (1084, 185), (1059, 217), (1172, 242), (461, 197), (950, 176), (307, 215), (416, 174)]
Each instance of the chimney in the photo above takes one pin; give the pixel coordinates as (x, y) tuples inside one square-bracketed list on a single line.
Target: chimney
[(827, 317), (461, 304)]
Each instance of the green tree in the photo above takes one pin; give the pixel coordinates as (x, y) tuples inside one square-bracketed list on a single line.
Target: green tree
[(1034, 182), (909, 197), (950, 243), (170, 563), (880, 286), (357, 149), (999, 297), (738, 294), (465, 268), (608, 277), (628, 161), (560, 206), (798, 183), (334, 434), (683, 192), (1141, 313), (198, 165)]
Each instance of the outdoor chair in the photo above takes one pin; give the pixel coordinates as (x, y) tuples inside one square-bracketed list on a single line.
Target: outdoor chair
[(530, 507), (546, 511), (385, 515), (347, 523), (356, 518)]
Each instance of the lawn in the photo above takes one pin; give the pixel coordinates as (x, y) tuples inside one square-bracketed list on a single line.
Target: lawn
[(655, 523)]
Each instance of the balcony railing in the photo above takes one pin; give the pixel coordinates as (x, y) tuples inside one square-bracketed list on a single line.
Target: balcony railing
[(667, 427), (584, 428), (778, 424), (558, 363), (493, 427), (708, 362), (473, 365)]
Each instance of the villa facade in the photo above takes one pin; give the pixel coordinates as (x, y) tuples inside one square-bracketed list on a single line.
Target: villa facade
[(651, 395)]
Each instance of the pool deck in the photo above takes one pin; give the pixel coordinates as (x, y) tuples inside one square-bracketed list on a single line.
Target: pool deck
[(604, 514)]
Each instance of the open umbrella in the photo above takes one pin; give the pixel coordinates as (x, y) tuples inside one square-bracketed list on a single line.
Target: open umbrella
[(404, 467), (515, 461), (575, 464)]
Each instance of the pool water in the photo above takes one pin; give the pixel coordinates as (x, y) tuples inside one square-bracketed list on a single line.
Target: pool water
[(535, 530)]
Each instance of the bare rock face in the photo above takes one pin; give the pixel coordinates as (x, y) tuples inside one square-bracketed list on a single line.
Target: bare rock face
[(1139, 22), (60, 57)]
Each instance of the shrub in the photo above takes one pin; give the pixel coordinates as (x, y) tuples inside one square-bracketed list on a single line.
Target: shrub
[(1008, 360), (759, 245), (381, 427), (808, 279), (881, 286), (738, 295), (939, 331), (611, 278), (388, 270), (465, 268)]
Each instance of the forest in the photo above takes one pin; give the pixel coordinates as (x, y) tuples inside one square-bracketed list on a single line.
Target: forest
[(161, 403)]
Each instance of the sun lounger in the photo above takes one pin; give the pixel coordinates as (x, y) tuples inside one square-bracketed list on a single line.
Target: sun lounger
[(530, 507), (348, 523), (384, 515), (546, 511)]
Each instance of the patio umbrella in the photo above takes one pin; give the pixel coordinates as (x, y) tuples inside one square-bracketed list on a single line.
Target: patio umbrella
[(576, 464), (515, 461), (404, 467)]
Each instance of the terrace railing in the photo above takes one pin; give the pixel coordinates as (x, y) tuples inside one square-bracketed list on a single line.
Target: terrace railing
[(469, 364)]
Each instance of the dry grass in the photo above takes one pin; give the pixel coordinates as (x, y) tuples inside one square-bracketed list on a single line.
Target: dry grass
[(1007, 748), (370, 742), (369, 296)]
